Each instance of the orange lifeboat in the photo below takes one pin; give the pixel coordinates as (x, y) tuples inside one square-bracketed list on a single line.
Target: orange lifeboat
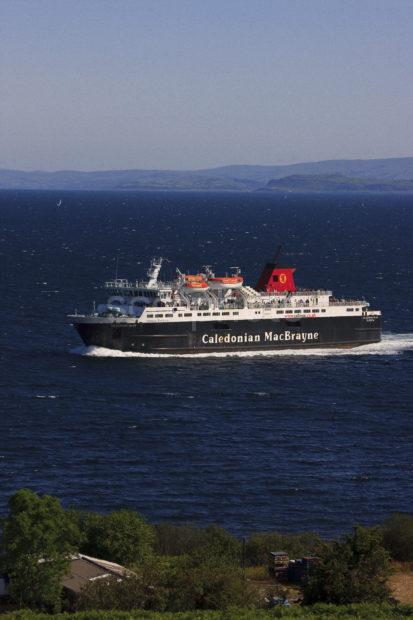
[(226, 282), (196, 285), (195, 282), (194, 278)]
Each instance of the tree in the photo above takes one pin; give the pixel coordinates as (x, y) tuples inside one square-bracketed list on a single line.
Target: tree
[(37, 540), (398, 536), (200, 544), (217, 546), (222, 587), (122, 536), (209, 585), (353, 570), (295, 545), (90, 525), (172, 539)]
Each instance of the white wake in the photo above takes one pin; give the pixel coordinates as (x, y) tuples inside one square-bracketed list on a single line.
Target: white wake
[(391, 344)]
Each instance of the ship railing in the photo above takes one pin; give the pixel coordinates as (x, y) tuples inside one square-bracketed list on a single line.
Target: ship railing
[(311, 291), (118, 283), (293, 295), (270, 306), (347, 302), (126, 284), (280, 305)]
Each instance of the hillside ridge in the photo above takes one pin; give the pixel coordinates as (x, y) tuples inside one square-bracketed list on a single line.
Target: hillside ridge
[(224, 178)]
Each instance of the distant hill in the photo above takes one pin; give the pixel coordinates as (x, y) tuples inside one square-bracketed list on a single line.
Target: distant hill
[(392, 168), (240, 178), (121, 180), (336, 183)]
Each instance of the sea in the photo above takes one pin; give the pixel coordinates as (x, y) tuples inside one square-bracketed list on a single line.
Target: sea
[(291, 442)]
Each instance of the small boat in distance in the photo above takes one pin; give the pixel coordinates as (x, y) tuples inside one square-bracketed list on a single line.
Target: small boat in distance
[(203, 313), (59, 203)]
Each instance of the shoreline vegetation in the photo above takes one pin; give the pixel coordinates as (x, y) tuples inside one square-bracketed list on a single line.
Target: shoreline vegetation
[(373, 175), (171, 571), (316, 612)]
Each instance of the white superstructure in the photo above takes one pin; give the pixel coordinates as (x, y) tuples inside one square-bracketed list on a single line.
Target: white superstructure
[(192, 298)]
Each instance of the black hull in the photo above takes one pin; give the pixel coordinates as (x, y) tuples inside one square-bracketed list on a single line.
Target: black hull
[(242, 335)]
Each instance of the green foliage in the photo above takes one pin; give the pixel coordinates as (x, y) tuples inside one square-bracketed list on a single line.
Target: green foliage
[(296, 545), (316, 612), (207, 586), (89, 524), (36, 540), (222, 588), (174, 585), (196, 569), (257, 573), (353, 570), (174, 539), (398, 536), (219, 547), (202, 544), (129, 593), (122, 536)]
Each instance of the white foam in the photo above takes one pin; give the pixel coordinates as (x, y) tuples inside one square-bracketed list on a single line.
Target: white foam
[(46, 396), (391, 344)]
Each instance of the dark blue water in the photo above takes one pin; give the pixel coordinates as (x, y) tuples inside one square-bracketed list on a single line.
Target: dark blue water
[(289, 442)]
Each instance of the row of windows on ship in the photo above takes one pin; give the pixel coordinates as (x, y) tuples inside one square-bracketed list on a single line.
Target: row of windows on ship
[(160, 315)]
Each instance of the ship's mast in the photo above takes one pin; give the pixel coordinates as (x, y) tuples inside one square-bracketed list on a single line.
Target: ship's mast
[(153, 272)]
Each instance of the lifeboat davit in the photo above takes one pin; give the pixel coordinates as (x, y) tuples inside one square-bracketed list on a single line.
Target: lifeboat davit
[(225, 282)]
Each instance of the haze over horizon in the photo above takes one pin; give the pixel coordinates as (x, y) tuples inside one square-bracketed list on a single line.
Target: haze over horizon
[(99, 85)]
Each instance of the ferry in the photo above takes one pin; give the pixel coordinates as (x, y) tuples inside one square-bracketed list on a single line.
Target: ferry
[(208, 313)]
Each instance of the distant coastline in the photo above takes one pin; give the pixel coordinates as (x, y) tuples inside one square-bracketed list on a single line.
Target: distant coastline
[(336, 183), (366, 175)]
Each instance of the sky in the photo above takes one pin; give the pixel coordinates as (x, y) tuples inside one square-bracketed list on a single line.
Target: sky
[(189, 84)]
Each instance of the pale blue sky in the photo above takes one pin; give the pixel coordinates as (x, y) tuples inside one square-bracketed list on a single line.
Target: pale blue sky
[(184, 84)]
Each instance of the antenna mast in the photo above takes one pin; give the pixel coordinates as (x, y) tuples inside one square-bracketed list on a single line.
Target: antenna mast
[(278, 254)]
